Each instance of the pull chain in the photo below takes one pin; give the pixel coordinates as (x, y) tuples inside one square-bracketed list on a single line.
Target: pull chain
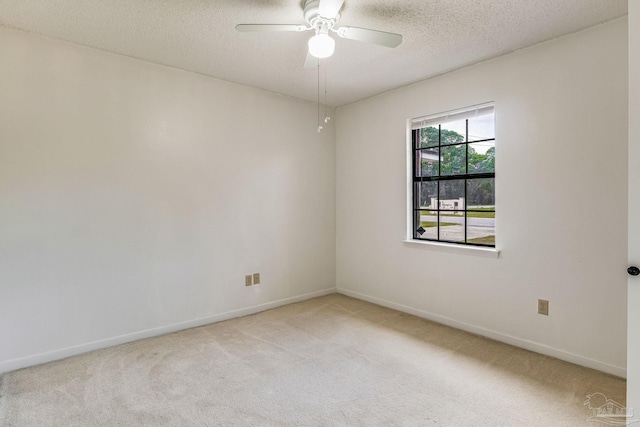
[(326, 116), (319, 125)]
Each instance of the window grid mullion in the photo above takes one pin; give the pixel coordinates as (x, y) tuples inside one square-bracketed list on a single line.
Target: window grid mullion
[(466, 170), (439, 175)]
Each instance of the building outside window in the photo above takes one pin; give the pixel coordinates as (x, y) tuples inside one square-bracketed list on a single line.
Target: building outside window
[(453, 177)]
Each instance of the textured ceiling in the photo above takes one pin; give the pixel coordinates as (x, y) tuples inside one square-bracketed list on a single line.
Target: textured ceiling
[(199, 35)]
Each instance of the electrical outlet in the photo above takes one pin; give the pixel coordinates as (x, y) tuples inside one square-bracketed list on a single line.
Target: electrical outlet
[(543, 307), (256, 278), (247, 280)]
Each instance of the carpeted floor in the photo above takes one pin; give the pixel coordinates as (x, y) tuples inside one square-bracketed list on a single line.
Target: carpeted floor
[(330, 361)]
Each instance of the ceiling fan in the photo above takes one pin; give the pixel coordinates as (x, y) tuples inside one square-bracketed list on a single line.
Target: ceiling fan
[(322, 16)]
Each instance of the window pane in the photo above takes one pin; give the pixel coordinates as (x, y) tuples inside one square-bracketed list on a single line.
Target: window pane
[(428, 162), (428, 137), (481, 228), (427, 195), (452, 160), (481, 193), (452, 226), (482, 127), (452, 194), (428, 225), (482, 157), (453, 132)]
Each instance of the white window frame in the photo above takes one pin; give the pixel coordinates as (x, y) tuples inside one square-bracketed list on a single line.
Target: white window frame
[(419, 122)]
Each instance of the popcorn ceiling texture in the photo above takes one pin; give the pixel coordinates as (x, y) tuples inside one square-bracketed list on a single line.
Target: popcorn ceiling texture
[(199, 36)]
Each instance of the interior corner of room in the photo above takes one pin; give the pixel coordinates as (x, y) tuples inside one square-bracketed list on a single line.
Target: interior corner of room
[(138, 199)]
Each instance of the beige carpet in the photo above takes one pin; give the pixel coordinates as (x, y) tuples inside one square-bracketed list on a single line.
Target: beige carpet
[(331, 361)]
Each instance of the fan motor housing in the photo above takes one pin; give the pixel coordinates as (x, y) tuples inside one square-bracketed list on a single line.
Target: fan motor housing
[(311, 8)]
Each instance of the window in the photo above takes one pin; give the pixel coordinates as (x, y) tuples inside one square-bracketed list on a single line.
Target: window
[(453, 177)]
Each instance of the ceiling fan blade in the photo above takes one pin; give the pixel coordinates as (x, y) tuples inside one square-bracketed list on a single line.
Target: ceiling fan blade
[(329, 8), (311, 61), (270, 27), (370, 36)]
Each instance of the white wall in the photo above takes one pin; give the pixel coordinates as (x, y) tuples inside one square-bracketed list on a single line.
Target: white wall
[(134, 198), (561, 178)]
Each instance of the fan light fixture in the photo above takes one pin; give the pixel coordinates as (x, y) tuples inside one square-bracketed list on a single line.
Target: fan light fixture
[(321, 46)]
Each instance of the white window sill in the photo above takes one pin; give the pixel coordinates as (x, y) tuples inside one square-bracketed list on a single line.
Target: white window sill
[(456, 249)]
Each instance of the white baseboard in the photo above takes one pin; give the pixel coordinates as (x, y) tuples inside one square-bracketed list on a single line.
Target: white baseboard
[(37, 359), (498, 336), (13, 364)]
